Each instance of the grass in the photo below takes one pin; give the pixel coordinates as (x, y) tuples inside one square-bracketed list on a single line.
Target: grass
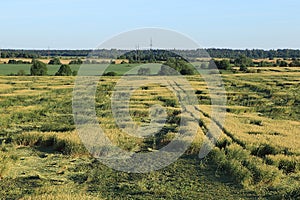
[(8, 69), (257, 155)]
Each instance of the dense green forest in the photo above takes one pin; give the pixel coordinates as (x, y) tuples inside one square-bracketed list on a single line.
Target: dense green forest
[(159, 54)]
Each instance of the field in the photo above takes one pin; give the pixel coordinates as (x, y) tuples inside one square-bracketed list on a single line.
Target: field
[(257, 155), (12, 69)]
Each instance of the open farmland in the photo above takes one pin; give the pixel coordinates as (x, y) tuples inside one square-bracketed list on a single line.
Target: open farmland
[(13, 69), (257, 155)]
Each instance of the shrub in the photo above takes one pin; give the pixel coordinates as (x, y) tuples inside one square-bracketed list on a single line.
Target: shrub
[(243, 68), (54, 61), (64, 70), (76, 62), (74, 73), (110, 74), (38, 68)]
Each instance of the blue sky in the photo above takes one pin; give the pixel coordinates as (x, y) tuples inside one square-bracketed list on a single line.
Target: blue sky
[(78, 24)]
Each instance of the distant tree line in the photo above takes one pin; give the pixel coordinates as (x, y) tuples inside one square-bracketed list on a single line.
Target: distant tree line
[(153, 55)]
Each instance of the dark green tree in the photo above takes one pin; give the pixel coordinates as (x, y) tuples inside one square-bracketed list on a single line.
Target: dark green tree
[(243, 60), (243, 68), (223, 64), (54, 61), (76, 62), (283, 64), (38, 68), (180, 65), (295, 63), (74, 73), (64, 70)]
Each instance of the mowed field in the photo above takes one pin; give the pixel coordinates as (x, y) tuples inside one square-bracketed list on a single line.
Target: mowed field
[(256, 156)]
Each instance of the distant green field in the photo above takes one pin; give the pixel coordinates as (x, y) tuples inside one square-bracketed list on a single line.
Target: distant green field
[(120, 69)]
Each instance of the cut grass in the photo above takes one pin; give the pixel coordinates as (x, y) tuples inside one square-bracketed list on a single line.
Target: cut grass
[(43, 158)]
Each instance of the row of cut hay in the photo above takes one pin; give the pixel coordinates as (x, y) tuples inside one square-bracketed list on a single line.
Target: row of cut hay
[(67, 142)]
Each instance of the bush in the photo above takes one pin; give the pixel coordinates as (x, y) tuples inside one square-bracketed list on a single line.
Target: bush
[(76, 62), (54, 61), (18, 62), (74, 73), (223, 64), (178, 64), (110, 74), (38, 68), (64, 70), (243, 68)]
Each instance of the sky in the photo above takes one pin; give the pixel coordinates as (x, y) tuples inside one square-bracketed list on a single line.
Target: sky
[(84, 24)]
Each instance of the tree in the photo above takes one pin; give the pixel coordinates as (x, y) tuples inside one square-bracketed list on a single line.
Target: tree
[(38, 68), (243, 60), (283, 64), (223, 64), (295, 63), (64, 70), (76, 62), (180, 65), (54, 61), (187, 71), (74, 73), (243, 68), (144, 71)]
